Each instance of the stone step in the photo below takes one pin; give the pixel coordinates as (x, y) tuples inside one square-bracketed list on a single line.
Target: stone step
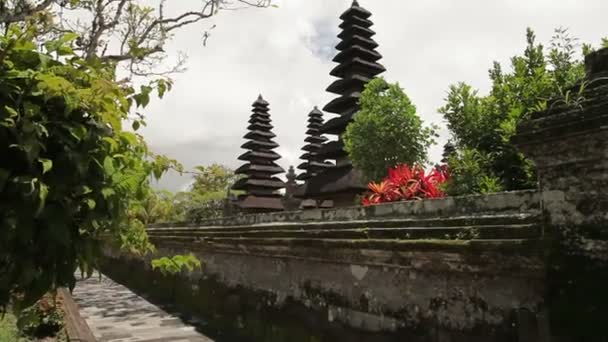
[(466, 232), (526, 246), (459, 221)]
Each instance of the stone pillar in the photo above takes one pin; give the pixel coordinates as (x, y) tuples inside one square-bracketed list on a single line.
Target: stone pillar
[(568, 143), (289, 201)]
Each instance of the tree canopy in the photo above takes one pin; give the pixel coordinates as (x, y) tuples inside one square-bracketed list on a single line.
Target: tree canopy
[(386, 131), (71, 173), (481, 126), (131, 33)]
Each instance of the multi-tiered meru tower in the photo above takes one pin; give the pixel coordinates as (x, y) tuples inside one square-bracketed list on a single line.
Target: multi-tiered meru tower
[(357, 60), (260, 184), (312, 164)]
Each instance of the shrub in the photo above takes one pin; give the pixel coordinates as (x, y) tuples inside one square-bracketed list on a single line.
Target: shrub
[(405, 183), (470, 173), (386, 131)]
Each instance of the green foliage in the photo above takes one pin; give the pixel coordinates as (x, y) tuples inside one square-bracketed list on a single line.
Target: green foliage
[(43, 319), (9, 330), (205, 200), (69, 173), (482, 126), (386, 131), (213, 179), (175, 264), (469, 174)]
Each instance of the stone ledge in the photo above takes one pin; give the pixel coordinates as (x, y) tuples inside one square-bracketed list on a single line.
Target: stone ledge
[(519, 258), (76, 327), (504, 202)]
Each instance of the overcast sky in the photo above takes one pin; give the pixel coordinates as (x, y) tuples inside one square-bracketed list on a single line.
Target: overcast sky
[(285, 54)]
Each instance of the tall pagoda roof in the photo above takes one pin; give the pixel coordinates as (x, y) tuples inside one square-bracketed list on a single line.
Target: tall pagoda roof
[(312, 164), (357, 65), (259, 182)]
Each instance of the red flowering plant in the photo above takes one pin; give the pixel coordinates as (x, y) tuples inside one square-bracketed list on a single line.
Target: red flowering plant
[(405, 183)]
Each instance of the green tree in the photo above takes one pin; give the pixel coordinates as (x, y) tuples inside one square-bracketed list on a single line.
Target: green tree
[(205, 199), (69, 172), (386, 131), (482, 126), (213, 179)]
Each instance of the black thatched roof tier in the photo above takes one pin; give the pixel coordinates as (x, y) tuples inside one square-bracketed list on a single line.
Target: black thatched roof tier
[(356, 21), (358, 64), (257, 145), (338, 125), (357, 51), (360, 41), (260, 204), (356, 30), (349, 84), (259, 183), (343, 103), (257, 126), (334, 181), (312, 163), (315, 139), (355, 11), (254, 155), (250, 168), (331, 150)]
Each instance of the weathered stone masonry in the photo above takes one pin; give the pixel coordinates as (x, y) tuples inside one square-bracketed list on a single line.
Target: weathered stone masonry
[(460, 267)]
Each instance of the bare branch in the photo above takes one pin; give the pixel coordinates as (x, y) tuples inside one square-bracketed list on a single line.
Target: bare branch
[(22, 10), (130, 33)]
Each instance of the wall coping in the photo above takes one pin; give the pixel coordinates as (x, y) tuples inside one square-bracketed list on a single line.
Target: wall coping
[(497, 203), (76, 327)]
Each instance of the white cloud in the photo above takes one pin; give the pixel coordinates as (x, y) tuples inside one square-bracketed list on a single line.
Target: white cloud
[(285, 53)]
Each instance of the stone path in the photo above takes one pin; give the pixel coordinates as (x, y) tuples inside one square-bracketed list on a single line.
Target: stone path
[(115, 314)]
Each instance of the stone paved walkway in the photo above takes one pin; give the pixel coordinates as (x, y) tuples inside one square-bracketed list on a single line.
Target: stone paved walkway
[(115, 314)]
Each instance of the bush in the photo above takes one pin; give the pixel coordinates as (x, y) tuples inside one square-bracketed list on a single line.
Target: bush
[(481, 127), (470, 173), (43, 319), (69, 172), (405, 184), (386, 131)]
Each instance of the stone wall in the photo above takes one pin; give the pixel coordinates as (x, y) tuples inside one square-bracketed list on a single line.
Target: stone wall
[(568, 143), (454, 269)]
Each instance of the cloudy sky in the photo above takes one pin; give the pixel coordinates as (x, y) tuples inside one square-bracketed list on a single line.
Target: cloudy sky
[(285, 54)]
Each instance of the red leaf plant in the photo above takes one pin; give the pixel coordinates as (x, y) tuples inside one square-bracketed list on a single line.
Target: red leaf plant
[(405, 183)]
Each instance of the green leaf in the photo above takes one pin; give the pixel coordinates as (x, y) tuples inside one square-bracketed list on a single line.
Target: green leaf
[(68, 37), (90, 203), (107, 192), (136, 125), (47, 165), (162, 88), (43, 193), (108, 166), (11, 111), (112, 142), (8, 122)]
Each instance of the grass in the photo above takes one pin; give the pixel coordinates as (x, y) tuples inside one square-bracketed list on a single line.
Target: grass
[(8, 329)]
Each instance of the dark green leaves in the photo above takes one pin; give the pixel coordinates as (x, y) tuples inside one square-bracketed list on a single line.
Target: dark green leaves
[(386, 131), (482, 126), (47, 165), (74, 176)]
